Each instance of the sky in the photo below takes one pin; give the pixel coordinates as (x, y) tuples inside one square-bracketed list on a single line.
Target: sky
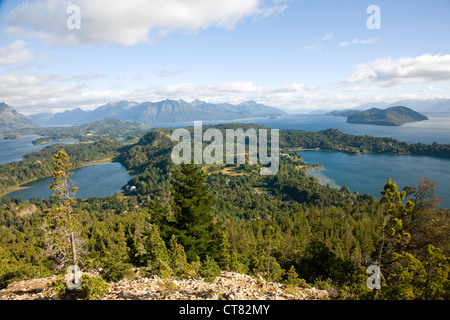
[(297, 55)]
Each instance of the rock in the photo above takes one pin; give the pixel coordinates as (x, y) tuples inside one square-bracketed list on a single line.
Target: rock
[(229, 286)]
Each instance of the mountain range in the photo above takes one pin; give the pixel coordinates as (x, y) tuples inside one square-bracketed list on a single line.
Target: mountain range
[(166, 111)]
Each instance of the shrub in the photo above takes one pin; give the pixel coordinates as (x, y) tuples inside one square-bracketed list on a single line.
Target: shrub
[(93, 288), (210, 269), (113, 272)]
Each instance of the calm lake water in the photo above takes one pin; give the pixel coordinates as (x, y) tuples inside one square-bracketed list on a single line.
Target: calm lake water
[(436, 129), (368, 173), (13, 149), (98, 180)]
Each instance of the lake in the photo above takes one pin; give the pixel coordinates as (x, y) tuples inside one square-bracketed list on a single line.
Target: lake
[(14, 149), (98, 180), (436, 129), (368, 173)]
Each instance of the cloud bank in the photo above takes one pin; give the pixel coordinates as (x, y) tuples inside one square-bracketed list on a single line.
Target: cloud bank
[(388, 71), (132, 21), (15, 54)]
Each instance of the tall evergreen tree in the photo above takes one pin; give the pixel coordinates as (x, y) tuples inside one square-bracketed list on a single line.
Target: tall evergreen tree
[(192, 204), (393, 236), (60, 221), (158, 255)]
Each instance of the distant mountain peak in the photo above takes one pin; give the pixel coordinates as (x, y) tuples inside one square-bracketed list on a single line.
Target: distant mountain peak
[(6, 108), (250, 103), (11, 120), (197, 102)]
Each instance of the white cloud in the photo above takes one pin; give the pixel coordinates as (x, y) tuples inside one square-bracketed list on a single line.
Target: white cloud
[(317, 47), (87, 76), (405, 70), (132, 21), (357, 41), (167, 73), (14, 54), (431, 89), (314, 47), (326, 37)]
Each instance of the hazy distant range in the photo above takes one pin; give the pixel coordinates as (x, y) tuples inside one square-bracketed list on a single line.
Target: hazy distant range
[(165, 111), (171, 111)]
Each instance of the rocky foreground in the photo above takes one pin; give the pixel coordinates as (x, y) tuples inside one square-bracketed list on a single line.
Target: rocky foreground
[(229, 286)]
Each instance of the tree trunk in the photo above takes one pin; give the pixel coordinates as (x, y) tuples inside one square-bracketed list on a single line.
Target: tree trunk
[(74, 254)]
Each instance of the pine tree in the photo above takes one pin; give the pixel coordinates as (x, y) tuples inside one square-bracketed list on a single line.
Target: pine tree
[(60, 220), (393, 236), (192, 204), (158, 255), (178, 261), (115, 256)]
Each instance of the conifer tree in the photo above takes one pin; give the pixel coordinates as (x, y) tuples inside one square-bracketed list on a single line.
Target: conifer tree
[(393, 236), (192, 205), (178, 261), (158, 255), (60, 220)]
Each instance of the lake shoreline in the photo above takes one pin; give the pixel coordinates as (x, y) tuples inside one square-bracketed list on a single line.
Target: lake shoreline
[(368, 173), (22, 186)]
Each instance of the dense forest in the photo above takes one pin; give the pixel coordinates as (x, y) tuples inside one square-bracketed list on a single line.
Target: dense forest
[(194, 221)]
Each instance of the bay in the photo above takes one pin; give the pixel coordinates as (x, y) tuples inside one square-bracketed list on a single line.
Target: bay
[(436, 129), (368, 173), (98, 180), (14, 149)]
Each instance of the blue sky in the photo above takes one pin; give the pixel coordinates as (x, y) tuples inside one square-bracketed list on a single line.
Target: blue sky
[(291, 54)]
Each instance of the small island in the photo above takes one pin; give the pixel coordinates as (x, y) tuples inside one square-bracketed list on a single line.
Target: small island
[(12, 137), (393, 116)]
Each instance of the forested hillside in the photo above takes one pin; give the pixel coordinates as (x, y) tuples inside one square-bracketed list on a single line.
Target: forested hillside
[(193, 221)]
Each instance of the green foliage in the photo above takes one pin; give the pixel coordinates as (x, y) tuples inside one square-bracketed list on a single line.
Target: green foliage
[(395, 211), (93, 288), (114, 271), (192, 221), (393, 236), (195, 268), (192, 205), (178, 260), (424, 278), (60, 222), (210, 269), (158, 255)]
